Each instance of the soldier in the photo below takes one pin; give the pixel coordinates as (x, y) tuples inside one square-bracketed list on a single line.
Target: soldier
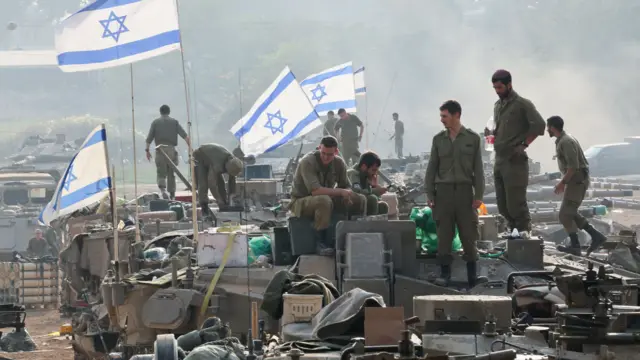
[(347, 132), (164, 131), (321, 187), (518, 124), (398, 135), (213, 160), (38, 246), (454, 184), (329, 125), (364, 180), (574, 184)]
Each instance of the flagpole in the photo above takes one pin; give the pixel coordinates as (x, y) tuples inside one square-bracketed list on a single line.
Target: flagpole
[(114, 212), (366, 121), (135, 152), (112, 194), (194, 207)]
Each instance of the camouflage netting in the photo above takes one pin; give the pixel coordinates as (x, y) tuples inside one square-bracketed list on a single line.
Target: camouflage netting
[(17, 341)]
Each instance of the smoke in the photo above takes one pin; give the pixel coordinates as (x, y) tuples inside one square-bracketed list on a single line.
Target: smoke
[(460, 50), (575, 59)]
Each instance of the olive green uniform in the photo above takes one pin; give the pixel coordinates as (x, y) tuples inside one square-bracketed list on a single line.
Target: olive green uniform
[(38, 247), (516, 119), (310, 175), (329, 127), (211, 160), (164, 131), (399, 137), (361, 184), (350, 135), (569, 155), (454, 179)]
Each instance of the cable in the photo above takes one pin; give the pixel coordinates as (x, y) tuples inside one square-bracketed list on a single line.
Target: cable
[(504, 342)]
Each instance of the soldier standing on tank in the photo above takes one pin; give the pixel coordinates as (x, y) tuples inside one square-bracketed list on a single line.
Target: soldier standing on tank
[(398, 134), (518, 124), (164, 131), (454, 184), (329, 128), (574, 184), (213, 161), (347, 132)]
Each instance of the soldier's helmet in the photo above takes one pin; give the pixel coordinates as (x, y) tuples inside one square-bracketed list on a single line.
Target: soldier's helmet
[(234, 166)]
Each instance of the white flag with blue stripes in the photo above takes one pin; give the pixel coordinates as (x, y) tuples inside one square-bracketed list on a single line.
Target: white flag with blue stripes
[(108, 33), (358, 80), (332, 89), (85, 182), (280, 115)]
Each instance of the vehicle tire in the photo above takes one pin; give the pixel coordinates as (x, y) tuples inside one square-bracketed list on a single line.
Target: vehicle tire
[(165, 347)]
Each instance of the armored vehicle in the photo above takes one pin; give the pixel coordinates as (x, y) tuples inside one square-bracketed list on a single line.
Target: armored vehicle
[(45, 153), (23, 194)]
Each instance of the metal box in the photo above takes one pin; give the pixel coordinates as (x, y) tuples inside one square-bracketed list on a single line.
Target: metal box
[(528, 253), (365, 256), (464, 307)]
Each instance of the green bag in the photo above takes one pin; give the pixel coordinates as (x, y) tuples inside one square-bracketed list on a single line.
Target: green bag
[(260, 245), (426, 230)]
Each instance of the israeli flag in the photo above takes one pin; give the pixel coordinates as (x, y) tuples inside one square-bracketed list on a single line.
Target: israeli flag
[(108, 33), (358, 80), (280, 115), (85, 182), (332, 89)]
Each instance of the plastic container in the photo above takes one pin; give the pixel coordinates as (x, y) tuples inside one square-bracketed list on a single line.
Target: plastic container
[(490, 139), (298, 308)]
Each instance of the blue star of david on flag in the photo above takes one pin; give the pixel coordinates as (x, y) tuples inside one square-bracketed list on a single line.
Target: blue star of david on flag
[(69, 179), (272, 119), (318, 93), (119, 21)]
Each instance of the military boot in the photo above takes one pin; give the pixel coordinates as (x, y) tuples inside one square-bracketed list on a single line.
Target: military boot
[(206, 212), (165, 194), (574, 248), (445, 275), (472, 275), (321, 244), (172, 195), (597, 238)]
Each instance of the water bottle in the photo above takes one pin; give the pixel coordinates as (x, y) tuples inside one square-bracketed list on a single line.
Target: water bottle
[(490, 139)]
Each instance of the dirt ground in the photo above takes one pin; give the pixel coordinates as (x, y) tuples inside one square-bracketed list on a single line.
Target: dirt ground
[(41, 323)]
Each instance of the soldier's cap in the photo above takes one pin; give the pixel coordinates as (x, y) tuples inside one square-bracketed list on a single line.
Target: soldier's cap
[(234, 166)]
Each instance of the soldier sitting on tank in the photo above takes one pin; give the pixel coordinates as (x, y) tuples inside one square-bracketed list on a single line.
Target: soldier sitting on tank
[(321, 187), (364, 180), (38, 246)]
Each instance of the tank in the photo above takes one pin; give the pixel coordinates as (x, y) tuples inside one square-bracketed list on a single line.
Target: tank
[(598, 322), (50, 153)]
